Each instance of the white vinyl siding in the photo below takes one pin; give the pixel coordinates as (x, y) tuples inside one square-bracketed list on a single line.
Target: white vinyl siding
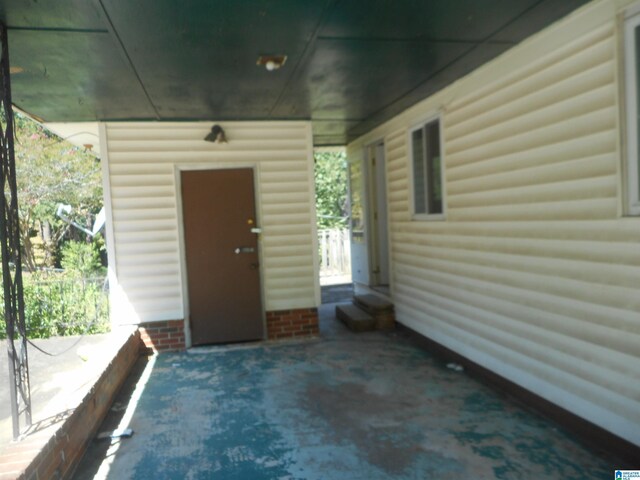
[(535, 274), (142, 161)]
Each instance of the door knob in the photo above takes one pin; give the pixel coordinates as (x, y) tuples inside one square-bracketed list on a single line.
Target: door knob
[(244, 250)]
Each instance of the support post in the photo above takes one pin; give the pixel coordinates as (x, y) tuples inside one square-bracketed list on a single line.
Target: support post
[(11, 257)]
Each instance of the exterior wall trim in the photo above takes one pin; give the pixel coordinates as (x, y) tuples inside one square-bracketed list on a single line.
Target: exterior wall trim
[(112, 272), (314, 216)]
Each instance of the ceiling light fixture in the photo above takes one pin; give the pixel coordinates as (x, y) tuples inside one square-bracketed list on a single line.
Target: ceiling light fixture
[(271, 62)]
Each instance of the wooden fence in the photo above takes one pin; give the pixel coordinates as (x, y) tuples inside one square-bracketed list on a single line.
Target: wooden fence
[(335, 252)]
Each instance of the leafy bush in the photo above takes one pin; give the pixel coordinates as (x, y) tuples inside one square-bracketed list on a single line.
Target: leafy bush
[(81, 259), (57, 305)]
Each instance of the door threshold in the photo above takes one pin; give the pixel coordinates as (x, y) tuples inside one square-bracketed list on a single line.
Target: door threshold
[(383, 289), (380, 290)]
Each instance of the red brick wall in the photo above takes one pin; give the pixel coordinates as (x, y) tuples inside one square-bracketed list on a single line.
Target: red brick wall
[(163, 336), (169, 335), (45, 455), (292, 323)]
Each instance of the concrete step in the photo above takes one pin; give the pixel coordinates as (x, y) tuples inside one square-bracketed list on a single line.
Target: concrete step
[(372, 304), (380, 309), (354, 318)]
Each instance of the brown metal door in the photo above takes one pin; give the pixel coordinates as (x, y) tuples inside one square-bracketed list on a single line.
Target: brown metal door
[(223, 274)]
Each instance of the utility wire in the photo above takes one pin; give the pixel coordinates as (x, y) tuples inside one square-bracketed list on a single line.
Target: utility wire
[(58, 353)]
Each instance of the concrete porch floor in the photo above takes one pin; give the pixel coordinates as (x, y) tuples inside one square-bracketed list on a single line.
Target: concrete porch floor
[(345, 406)]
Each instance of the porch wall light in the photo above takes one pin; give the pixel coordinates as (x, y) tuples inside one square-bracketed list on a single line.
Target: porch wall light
[(216, 135), (271, 62)]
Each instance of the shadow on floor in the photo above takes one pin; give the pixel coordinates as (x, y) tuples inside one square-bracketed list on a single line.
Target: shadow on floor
[(101, 449), (346, 406)]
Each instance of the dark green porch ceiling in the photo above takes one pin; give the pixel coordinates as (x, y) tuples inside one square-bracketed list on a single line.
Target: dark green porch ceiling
[(352, 64)]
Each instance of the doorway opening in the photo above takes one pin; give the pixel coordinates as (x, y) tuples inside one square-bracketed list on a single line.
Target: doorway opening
[(332, 212), (369, 220)]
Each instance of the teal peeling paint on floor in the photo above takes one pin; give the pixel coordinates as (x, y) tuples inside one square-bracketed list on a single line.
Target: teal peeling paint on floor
[(349, 407)]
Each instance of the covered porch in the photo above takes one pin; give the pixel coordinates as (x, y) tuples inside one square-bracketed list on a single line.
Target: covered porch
[(342, 406), (505, 115)]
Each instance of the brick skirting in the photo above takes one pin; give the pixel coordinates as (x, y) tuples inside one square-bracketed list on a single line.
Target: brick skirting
[(169, 335), (301, 322), (163, 336)]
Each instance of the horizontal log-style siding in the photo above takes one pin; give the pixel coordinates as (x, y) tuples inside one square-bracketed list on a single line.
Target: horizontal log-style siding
[(142, 159), (535, 273)]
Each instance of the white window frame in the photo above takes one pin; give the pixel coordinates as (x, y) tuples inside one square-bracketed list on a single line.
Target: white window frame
[(632, 184), (418, 126)]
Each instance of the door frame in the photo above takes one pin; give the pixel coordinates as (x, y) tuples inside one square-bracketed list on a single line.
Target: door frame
[(370, 235), (182, 264), (371, 197)]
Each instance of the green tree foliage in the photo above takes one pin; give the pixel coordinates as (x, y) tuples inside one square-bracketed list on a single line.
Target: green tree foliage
[(331, 189), (50, 171)]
